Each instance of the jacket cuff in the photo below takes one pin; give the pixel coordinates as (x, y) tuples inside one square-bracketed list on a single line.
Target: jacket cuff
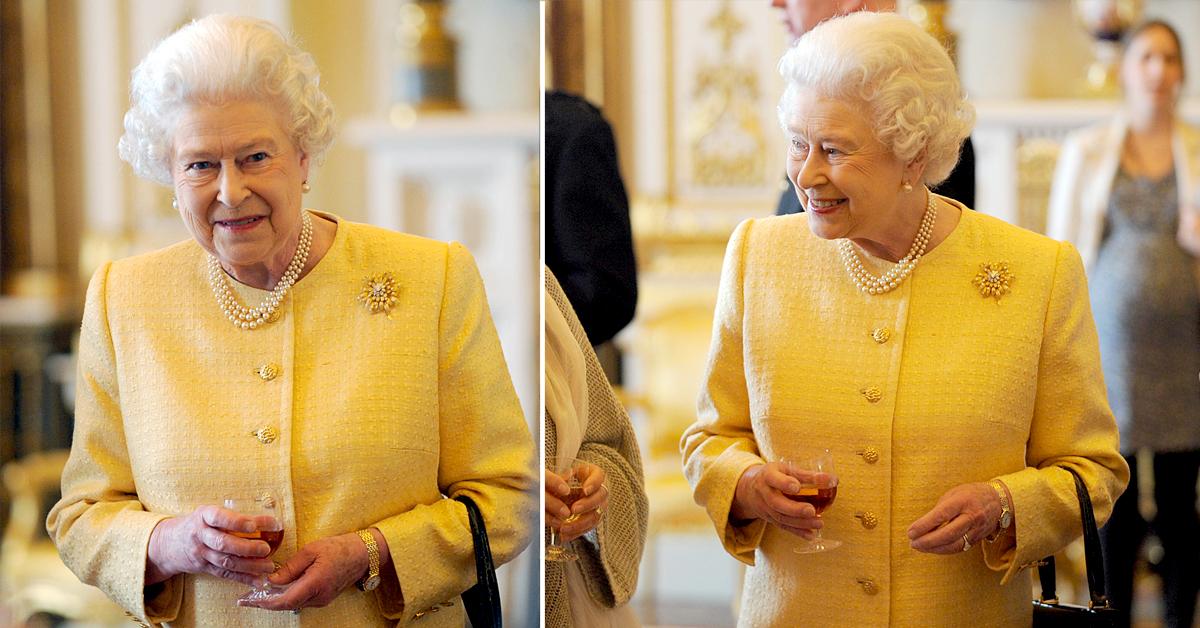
[(1012, 552), (157, 603), (716, 492), (415, 544)]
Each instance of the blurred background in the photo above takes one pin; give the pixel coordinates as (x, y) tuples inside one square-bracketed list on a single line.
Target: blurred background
[(690, 89), (453, 160)]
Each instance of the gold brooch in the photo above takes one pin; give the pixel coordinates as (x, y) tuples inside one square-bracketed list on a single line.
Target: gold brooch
[(993, 280), (379, 293)]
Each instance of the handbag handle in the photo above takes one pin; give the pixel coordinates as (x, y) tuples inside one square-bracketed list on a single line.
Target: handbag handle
[(482, 601), (1093, 554)]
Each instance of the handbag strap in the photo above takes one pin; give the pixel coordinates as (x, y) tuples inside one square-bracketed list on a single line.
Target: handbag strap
[(482, 601), (1093, 554), (1048, 578)]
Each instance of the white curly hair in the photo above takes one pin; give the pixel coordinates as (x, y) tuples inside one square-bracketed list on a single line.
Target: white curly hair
[(222, 58), (901, 74)]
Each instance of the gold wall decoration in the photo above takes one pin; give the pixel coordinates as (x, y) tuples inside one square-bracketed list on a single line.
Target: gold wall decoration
[(1036, 159), (426, 78), (1106, 21), (723, 132), (931, 16)]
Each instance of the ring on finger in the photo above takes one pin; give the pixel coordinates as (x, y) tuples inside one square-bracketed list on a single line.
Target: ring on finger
[(966, 543)]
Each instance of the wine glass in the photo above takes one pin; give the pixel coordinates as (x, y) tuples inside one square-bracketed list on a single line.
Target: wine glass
[(570, 470), (818, 486), (265, 511)]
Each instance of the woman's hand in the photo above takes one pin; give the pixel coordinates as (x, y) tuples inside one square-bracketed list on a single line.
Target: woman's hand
[(970, 511), (320, 571), (589, 507), (1189, 230), (200, 543), (762, 493)]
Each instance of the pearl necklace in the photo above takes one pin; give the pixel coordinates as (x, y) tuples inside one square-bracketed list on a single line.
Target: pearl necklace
[(252, 317), (867, 281)]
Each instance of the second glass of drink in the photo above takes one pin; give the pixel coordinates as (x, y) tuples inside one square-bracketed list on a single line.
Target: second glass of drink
[(570, 470)]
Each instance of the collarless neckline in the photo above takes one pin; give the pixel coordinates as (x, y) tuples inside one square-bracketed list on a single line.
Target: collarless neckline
[(246, 291)]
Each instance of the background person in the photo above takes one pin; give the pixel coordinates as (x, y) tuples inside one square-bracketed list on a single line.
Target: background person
[(1125, 193), (584, 420)]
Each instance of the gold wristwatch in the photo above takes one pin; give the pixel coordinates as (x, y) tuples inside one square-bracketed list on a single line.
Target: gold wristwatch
[(1005, 510), (371, 580)]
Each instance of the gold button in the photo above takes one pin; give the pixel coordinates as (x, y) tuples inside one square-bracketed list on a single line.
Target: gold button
[(881, 334), (265, 435), (267, 372), (870, 455), (419, 615), (872, 394), (867, 519), (868, 586)]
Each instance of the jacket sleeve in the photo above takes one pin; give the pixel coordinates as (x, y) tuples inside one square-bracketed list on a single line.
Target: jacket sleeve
[(720, 445), (101, 529), (486, 453), (1072, 426)]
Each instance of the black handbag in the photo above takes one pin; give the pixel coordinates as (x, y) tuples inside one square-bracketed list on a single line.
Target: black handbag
[(481, 601), (1048, 612)]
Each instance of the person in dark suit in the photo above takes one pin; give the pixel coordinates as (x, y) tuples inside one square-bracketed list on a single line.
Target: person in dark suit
[(589, 242), (799, 17)]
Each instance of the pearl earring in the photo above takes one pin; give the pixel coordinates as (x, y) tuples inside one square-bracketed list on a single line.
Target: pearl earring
[(174, 203), (907, 186), (305, 187)]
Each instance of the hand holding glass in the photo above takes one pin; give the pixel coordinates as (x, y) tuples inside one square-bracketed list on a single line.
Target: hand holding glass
[(818, 486), (570, 470), (264, 510)]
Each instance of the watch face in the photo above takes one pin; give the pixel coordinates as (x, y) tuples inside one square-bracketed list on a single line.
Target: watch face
[(370, 583)]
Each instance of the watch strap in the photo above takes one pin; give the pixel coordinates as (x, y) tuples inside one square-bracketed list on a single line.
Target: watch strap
[(372, 560), (1005, 519)]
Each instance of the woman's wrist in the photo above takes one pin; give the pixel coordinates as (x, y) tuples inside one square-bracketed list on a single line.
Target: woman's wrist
[(156, 570), (740, 512)]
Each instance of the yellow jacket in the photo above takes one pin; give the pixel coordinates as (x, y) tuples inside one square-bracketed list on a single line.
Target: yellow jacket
[(953, 388), (376, 418)]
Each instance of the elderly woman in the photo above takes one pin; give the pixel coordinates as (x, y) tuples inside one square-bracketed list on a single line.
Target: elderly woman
[(946, 359), (585, 422), (1125, 193), (352, 373)]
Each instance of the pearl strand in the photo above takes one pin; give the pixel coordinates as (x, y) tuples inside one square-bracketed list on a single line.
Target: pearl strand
[(868, 282), (253, 317)]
